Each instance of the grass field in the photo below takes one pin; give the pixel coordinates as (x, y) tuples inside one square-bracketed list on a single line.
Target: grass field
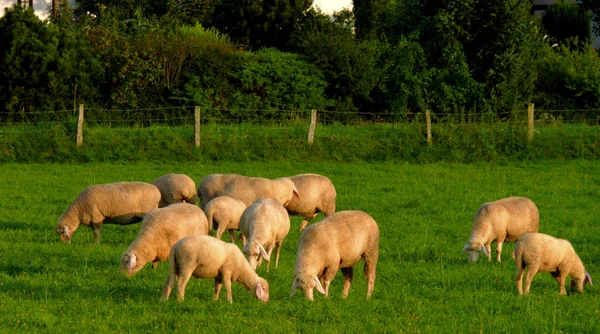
[(423, 284)]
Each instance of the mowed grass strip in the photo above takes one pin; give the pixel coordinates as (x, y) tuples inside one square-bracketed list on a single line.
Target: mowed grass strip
[(423, 280)]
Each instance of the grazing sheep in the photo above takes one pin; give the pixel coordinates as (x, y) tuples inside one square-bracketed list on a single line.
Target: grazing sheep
[(542, 252), (264, 224), (246, 189), (506, 219), (340, 240), (205, 257), (176, 188), (224, 213), (316, 194), (113, 203), (161, 228)]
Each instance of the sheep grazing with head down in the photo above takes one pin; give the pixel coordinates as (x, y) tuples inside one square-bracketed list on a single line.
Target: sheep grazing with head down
[(246, 189), (316, 193), (176, 188), (542, 252), (340, 240), (506, 219), (113, 203), (160, 230), (224, 213), (203, 256), (264, 225)]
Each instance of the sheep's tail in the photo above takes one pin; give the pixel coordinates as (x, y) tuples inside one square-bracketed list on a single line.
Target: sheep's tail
[(210, 215), (520, 265)]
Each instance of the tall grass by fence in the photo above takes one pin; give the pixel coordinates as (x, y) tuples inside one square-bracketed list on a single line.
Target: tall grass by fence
[(190, 133)]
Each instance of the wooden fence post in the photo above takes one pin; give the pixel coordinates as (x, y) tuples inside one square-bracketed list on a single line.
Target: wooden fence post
[(428, 118), (530, 114), (313, 123), (80, 126), (197, 126)]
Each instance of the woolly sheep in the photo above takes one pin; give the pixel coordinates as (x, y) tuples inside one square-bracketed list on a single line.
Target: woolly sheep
[(224, 213), (161, 228), (112, 203), (506, 219), (176, 188), (246, 189), (316, 194), (264, 224), (340, 240), (206, 257), (542, 252)]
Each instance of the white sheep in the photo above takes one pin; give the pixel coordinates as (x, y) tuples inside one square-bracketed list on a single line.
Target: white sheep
[(161, 228), (246, 189), (264, 225), (340, 240), (506, 219), (176, 188), (224, 213), (316, 194), (208, 257), (542, 252), (112, 203)]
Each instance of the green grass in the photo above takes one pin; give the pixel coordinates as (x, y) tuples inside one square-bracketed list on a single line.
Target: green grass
[(423, 280)]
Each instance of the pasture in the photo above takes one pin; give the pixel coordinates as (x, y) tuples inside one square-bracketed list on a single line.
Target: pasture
[(423, 284)]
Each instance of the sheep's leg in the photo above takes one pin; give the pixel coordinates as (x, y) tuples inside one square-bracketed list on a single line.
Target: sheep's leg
[(169, 283), (370, 259), (218, 285), (232, 235), (155, 264), (499, 244), (184, 277), (227, 282), (327, 277), (562, 276), (220, 230), (278, 249), (244, 240), (348, 275), (96, 229), (530, 274), (519, 279), (268, 262), (488, 247)]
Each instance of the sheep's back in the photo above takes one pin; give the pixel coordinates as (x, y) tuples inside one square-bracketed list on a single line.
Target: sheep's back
[(316, 193), (114, 200)]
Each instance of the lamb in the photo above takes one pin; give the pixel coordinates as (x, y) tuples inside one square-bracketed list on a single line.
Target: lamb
[(340, 240), (246, 189), (224, 213), (205, 257), (176, 188), (316, 194), (506, 219), (161, 228), (542, 252), (112, 203), (264, 224)]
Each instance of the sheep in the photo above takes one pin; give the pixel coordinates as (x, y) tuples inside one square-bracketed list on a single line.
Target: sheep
[(506, 219), (316, 194), (340, 240), (264, 225), (246, 189), (224, 213), (542, 252), (112, 203), (205, 257), (160, 229), (176, 188)]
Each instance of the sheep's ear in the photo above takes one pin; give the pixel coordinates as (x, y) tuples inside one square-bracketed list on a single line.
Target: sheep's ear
[(259, 291), (318, 285), (294, 286), (466, 247), (264, 253), (588, 278), (484, 250), (132, 261), (296, 192)]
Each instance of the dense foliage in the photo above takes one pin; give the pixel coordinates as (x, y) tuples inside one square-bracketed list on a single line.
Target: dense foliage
[(385, 60)]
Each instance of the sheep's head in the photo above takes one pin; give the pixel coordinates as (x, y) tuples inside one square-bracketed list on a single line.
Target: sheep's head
[(307, 283), (128, 264), (580, 283), (261, 290), (64, 232), (253, 251), (473, 249), (290, 191)]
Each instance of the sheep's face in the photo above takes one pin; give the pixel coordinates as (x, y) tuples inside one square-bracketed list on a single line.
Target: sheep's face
[(128, 264), (307, 283), (64, 233), (261, 290), (473, 250), (254, 253)]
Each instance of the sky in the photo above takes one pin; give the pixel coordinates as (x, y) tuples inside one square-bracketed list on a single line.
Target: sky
[(330, 6)]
